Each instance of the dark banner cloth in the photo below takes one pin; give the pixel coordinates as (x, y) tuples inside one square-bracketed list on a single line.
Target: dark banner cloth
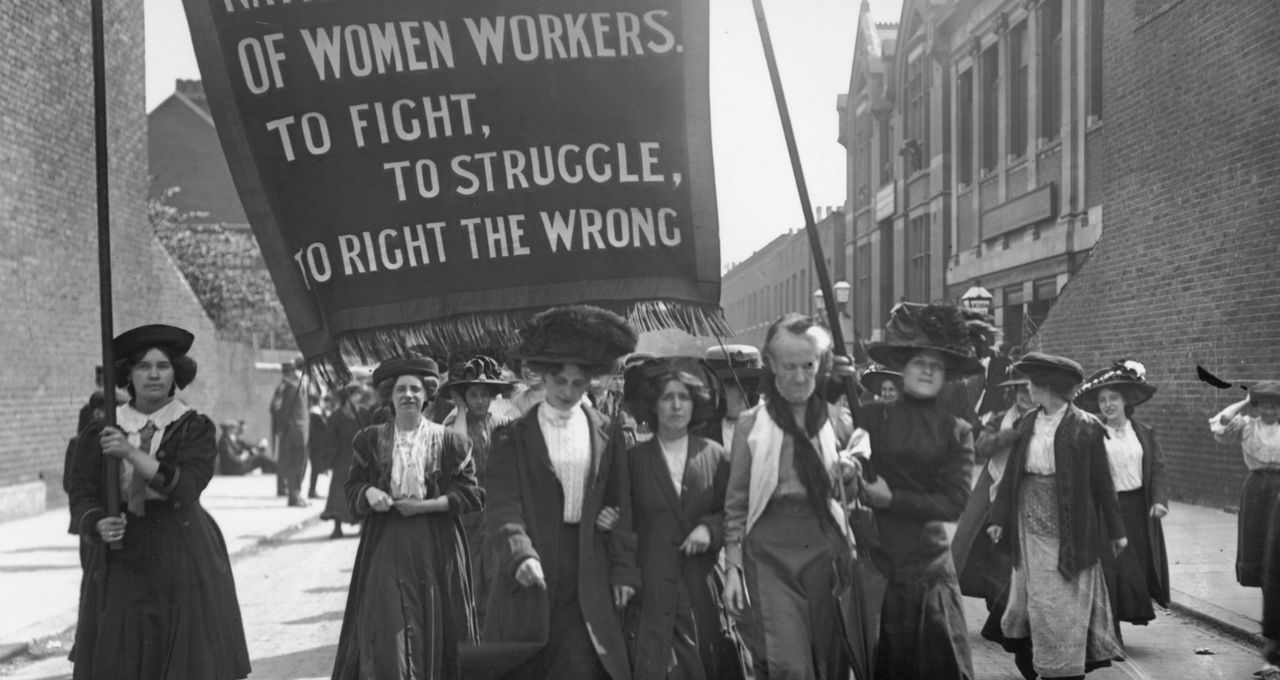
[(434, 171)]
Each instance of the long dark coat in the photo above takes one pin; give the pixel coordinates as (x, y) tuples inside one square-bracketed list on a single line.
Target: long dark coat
[(444, 577), (524, 520), (163, 606), (339, 435), (1088, 511), (661, 519), (1154, 490)]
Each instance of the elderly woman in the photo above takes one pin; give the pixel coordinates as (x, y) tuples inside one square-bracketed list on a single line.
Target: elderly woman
[(671, 491), (351, 415), (786, 535), (473, 385), (1056, 512), (162, 604), (547, 475), (922, 455), (409, 605), (1140, 573)]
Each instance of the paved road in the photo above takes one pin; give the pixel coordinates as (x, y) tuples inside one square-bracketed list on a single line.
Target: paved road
[(293, 593)]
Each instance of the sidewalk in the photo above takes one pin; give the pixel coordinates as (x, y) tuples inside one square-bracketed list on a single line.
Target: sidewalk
[(40, 561), (1201, 543)]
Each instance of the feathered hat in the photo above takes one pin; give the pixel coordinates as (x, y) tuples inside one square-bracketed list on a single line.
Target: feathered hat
[(576, 334), (914, 327), (478, 370), (1126, 376)]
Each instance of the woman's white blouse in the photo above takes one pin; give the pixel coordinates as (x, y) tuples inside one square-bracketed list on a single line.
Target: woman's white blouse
[(1040, 448), (1260, 442), (416, 454), (1124, 453)]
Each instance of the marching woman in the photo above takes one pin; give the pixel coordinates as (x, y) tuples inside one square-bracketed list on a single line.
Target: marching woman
[(163, 605), (671, 491), (1056, 512), (473, 385), (1254, 423), (346, 421), (1140, 573), (882, 384), (922, 455), (409, 604), (786, 536), (982, 568), (547, 473)]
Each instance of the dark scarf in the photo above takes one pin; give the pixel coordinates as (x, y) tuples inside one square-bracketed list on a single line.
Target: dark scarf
[(808, 462)]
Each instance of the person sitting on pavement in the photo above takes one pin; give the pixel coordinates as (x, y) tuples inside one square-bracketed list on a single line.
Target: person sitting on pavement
[(1139, 574), (158, 598), (237, 457)]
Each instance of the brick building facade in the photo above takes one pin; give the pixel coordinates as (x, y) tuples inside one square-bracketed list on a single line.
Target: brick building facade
[(48, 242), (183, 151), (973, 130), (1187, 271), (779, 278)]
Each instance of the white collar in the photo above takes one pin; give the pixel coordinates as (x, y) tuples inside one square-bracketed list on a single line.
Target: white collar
[(131, 420)]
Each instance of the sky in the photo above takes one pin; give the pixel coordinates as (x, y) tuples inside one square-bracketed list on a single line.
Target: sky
[(755, 188)]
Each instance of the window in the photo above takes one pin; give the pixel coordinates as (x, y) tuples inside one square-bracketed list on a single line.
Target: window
[(886, 151), (918, 259), (1013, 314), (1018, 90), (1051, 69), (990, 107), (964, 121), (862, 164), (862, 290), (1095, 58), (917, 113), (1046, 292)]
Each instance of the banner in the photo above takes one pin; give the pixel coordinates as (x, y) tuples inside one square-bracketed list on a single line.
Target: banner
[(433, 171)]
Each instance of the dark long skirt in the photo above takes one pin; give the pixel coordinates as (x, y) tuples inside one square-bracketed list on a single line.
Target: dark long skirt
[(1271, 579), (569, 652), (1257, 498), (789, 559), (483, 565), (409, 605), (1132, 581), (336, 506), (163, 607), (923, 634)]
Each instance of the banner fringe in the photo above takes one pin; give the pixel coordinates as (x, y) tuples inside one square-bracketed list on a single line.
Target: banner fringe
[(474, 333)]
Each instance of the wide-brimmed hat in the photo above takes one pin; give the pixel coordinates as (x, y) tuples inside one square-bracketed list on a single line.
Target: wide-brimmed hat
[(1013, 378), (1033, 362), (875, 376), (176, 340), (913, 328), (1127, 377), (639, 378), (478, 370), (576, 334), (1268, 390), (742, 361), (409, 364)]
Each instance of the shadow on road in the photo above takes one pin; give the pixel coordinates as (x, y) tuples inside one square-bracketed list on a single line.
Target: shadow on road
[(300, 665), (335, 615)]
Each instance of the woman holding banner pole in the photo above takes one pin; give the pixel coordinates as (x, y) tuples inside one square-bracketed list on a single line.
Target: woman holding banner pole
[(162, 605)]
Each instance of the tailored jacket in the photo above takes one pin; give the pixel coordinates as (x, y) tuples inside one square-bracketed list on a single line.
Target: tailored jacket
[(523, 521), (455, 478), (656, 518), (1088, 511), (1155, 489)]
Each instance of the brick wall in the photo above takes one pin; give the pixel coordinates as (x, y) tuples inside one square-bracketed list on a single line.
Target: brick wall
[(48, 236), (1187, 271)]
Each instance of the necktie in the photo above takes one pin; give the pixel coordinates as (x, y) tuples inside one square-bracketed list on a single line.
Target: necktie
[(138, 483)]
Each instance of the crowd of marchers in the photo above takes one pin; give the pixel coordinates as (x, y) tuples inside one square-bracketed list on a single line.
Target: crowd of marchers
[(610, 515)]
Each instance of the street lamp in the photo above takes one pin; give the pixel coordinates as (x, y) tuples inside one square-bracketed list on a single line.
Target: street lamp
[(843, 292), (977, 299), (819, 301)]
